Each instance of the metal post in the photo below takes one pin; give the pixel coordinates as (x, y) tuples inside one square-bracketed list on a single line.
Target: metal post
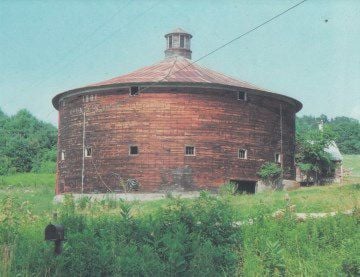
[(281, 133), (83, 155)]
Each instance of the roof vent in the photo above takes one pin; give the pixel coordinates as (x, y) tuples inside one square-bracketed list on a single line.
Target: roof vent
[(178, 44)]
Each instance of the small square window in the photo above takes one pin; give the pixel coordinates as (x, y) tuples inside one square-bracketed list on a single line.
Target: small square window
[(134, 91), (242, 95), (88, 152), (189, 151), (133, 150), (242, 154), (278, 158)]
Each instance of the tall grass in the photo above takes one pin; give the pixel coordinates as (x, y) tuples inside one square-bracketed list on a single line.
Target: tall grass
[(178, 237), (181, 238)]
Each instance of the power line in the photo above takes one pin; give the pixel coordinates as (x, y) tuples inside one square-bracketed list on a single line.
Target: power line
[(42, 80), (218, 48), (227, 43)]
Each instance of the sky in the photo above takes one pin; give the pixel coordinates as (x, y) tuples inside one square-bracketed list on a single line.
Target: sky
[(311, 53)]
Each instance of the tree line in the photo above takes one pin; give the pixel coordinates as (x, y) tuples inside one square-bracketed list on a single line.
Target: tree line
[(346, 131), (29, 145), (26, 144)]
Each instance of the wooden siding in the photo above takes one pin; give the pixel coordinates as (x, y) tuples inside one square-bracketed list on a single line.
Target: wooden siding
[(161, 122)]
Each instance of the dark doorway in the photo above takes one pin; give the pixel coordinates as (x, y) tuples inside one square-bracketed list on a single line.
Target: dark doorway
[(247, 187)]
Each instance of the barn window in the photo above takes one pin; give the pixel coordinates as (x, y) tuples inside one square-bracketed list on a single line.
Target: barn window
[(242, 154), (242, 95), (181, 40), (134, 91), (88, 152), (189, 150), (63, 155), (278, 158), (133, 150)]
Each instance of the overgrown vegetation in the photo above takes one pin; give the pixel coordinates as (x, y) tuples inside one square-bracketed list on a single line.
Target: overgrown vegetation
[(311, 156), (200, 237), (26, 144), (346, 130), (271, 174)]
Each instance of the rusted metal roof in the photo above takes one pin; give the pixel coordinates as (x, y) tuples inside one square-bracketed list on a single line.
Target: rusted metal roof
[(176, 70)]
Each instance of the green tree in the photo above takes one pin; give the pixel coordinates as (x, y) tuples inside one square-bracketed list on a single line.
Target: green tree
[(311, 156), (26, 144), (346, 130)]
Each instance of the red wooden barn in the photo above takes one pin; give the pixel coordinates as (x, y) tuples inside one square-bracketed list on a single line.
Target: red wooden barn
[(172, 125)]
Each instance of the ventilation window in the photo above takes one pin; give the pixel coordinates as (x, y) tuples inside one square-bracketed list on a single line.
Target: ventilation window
[(182, 41), (134, 91), (63, 155), (63, 103), (170, 41), (89, 98), (242, 154), (189, 151), (134, 150), (242, 95), (278, 158), (88, 152)]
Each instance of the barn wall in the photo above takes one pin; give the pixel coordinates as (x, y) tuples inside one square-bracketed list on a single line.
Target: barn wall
[(161, 123)]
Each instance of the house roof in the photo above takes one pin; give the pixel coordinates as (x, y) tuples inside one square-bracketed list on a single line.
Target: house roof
[(334, 152)]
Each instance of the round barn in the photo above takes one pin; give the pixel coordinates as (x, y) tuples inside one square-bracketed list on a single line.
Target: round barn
[(171, 126)]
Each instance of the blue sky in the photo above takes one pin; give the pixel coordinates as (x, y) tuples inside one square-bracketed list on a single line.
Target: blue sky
[(311, 53)]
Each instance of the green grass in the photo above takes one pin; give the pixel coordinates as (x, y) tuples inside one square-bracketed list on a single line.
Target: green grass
[(352, 164), (35, 189), (27, 180)]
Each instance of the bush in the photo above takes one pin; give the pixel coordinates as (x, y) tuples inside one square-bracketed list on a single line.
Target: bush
[(270, 173)]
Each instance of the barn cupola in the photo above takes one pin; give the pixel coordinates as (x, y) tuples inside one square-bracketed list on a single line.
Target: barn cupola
[(178, 44)]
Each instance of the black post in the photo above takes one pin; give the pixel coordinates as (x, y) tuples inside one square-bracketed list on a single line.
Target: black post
[(58, 247)]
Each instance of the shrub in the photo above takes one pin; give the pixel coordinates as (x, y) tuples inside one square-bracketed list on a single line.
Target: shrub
[(270, 173)]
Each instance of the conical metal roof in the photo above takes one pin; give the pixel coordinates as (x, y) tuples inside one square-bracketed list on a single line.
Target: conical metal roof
[(176, 70)]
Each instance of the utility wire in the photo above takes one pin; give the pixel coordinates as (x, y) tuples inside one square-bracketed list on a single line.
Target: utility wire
[(226, 44), (42, 80), (218, 48)]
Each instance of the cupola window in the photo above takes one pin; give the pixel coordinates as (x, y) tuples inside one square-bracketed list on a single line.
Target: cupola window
[(170, 41), (182, 39)]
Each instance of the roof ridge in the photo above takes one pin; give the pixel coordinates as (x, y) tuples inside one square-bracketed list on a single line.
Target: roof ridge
[(170, 70)]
